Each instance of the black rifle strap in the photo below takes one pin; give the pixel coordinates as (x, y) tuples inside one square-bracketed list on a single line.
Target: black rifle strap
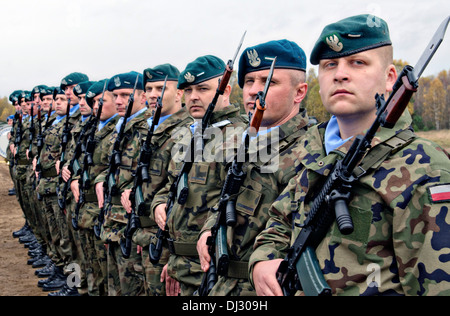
[(380, 152)]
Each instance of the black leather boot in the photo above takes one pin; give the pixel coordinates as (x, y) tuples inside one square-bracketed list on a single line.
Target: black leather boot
[(58, 281)]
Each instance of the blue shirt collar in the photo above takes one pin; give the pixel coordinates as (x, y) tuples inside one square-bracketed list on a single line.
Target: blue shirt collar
[(74, 109), (161, 119), (120, 122), (102, 124), (333, 138)]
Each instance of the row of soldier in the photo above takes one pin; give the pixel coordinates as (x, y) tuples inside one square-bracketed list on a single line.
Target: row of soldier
[(76, 162)]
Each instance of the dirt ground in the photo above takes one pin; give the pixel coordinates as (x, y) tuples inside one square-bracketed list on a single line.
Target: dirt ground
[(16, 277)]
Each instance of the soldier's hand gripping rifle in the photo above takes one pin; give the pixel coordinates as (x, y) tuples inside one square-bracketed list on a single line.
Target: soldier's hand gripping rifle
[(64, 141), (141, 176), (226, 207), (300, 269), (88, 161), (179, 188), (110, 186)]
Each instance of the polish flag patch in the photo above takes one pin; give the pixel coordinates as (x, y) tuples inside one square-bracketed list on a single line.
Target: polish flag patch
[(440, 193)]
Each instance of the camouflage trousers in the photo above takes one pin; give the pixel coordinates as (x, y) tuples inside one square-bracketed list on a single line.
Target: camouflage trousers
[(62, 253), (143, 237), (75, 239), (187, 271), (227, 286), (125, 276), (94, 251)]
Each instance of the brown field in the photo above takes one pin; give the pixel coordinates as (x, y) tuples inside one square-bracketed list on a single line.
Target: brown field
[(441, 137)]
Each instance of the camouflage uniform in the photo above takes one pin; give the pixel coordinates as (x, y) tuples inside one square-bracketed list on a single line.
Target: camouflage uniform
[(262, 185), (70, 203), (38, 221), (94, 250), (57, 222), (162, 146), (186, 221), (400, 239), (125, 276)]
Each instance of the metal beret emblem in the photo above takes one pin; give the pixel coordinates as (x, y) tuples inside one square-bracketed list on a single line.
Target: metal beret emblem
[(334, 43), (253, 58), (189, 77)]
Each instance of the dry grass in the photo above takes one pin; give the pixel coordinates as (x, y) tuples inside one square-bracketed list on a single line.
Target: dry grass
[(441, 137)]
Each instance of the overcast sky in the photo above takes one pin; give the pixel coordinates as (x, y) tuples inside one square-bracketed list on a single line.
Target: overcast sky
[(43, 41)]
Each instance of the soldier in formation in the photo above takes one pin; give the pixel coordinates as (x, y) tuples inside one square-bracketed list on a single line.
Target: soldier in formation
[(127, 184)]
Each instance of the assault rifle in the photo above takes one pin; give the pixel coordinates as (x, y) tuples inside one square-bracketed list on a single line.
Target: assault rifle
[(40, 145), (64, 141), (88, 161), (141, 175), (18, 138), (300, 269), (74, 164), (32, 129), (179, 186), (110, 186), (226, 208)]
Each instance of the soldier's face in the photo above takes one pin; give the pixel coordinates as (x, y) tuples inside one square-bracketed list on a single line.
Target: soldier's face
[(109, 107), (61, 104), (348, 85), (46, 101), (85, 109), (70, 95), (283, 96), (198, 97), (37, 99), (121, 97), (153, 91), (24, 106)]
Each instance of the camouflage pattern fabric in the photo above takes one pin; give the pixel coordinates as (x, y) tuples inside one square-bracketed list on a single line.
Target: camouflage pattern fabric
[(162, 144), (400, 242), (205, 184), (261, 187)]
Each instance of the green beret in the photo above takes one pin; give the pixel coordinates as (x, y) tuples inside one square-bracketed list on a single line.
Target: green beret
[(260, 57), (126, 81), (14, 97), (82, 87), (73, 79), (202, 69), (25, 95), (56, 91), (350, 36), (160, 72), (95, 90), (46, 91), (38, 89)]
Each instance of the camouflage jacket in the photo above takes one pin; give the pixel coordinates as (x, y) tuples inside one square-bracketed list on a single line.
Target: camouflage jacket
[(265, 180), (23, 146), (400, 244), (50, 154), (135, 129), (204, 183), (162, 144)]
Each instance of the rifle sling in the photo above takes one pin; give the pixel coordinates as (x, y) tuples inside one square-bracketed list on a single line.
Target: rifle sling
[(380, 152)]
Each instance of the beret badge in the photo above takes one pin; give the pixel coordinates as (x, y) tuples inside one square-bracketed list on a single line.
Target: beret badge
[(189, 77), (253, 58)]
